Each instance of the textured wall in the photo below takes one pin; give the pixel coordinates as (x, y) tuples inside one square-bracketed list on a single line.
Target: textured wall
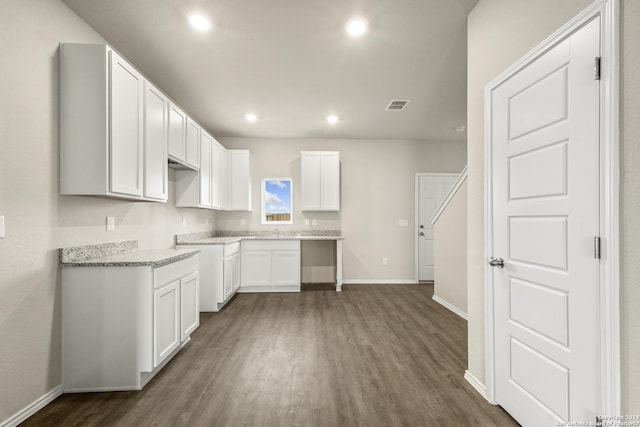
[(38, 220), (377, 183), (499, 33)]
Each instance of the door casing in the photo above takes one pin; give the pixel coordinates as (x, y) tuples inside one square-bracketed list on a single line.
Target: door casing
[(608, 10)]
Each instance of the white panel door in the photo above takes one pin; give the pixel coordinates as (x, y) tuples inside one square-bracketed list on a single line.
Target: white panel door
[(166, 321), (189, 305), (545, 204), (432, 189), (156, 113), (126, 144)]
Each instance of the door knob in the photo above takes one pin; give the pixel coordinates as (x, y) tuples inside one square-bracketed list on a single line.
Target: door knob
[(422, 233), (496, 262)]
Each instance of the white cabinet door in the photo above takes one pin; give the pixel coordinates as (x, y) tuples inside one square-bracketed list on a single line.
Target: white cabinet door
[(320, 180), (156, 110), (310, 180), (192, 155), (285, 268), (189, 305), (240, 173), (228, 277), (126, 143), (166, 321), (330, 180), (206, 171), (217, 154), (236, 272), (256, 268), (177, 133)]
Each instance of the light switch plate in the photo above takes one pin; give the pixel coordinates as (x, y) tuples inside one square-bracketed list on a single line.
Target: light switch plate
[(243, 221), (403, 223), (184, 222), (306, 221), (2, 227), (314, 222), (111, 223)]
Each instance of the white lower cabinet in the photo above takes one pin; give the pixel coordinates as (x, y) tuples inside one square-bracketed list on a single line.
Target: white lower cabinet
[(270, 266), (166, 321), (120, 325), (219, 274)]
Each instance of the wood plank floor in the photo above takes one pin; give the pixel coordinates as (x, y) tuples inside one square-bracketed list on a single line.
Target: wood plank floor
[(373, 355)]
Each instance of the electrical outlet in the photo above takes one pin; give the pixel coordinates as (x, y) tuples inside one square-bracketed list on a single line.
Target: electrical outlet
[(306, 221), (1, 227), (243, 221), (314, 222), (111, 223), (403, 223), (207, 221), (184, 222), (385, 261)]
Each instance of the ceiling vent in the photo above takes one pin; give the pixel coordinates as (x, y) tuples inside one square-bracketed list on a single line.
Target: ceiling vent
[(397, 104)]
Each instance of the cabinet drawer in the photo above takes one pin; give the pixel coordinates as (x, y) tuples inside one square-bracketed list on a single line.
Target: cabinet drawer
[(174, 271), (271, 245), (231, 248)]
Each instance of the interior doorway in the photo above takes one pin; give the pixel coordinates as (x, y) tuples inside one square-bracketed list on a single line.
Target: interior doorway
[(431, 189)]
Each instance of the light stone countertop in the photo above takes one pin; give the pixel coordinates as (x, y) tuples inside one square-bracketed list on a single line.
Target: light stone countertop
[(121, 254), (224, 240)]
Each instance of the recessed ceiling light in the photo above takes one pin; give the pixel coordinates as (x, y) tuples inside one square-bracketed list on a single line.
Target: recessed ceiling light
[(332, 119), (356, 27), (250, 117), (199, 22)]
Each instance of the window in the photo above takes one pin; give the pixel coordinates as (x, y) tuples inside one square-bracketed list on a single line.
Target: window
[(277, 201)]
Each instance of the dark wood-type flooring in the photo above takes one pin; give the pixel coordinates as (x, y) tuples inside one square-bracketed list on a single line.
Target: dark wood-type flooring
[(373, 355)]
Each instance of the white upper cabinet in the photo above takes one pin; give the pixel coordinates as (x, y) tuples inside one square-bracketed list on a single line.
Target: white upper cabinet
[(206, 143), (192, 155), (320, 180), (177, 134), (184, 140), (102, 147), (218, 175), (156, 110), (239, 173)]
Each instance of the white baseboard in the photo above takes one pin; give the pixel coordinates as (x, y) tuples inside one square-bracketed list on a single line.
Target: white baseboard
[(378, 282), (477, 385), (32, 408), (451, 307)]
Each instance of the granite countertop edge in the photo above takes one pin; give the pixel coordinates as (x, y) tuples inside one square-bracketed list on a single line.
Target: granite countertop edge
[(234, 239), (139, 258)]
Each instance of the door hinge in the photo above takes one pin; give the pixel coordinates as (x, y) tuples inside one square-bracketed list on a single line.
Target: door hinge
[(596, 247), (596, 68)]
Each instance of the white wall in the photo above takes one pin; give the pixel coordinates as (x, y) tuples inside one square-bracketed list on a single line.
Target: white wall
[(38, 220), (377, 184), (499, 33), (449, 251)]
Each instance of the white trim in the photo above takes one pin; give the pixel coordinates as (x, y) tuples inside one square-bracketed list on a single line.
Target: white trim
[(477, 385), (452, 192), (608, 10), (379, 282), (32, 408), (450, 307), (416, 202)]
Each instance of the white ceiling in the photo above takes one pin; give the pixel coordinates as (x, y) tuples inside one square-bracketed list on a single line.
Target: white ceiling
[(291, 62)]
